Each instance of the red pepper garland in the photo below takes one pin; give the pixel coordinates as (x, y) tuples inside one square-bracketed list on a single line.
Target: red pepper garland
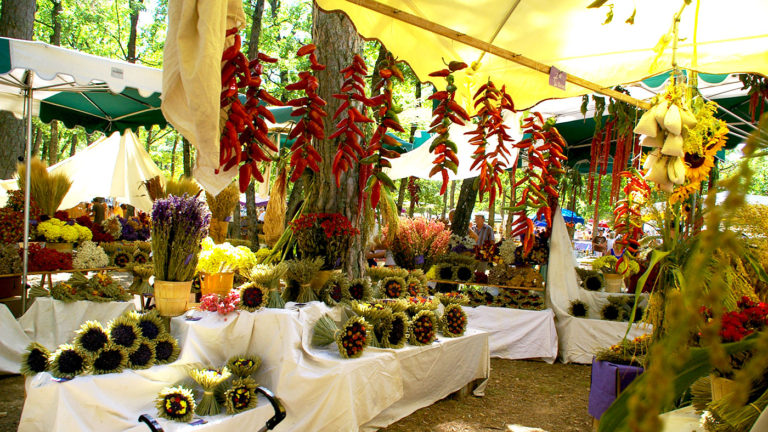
[(372, 176), (244, 133), (628, 222), (311, 113), (352, 144), (542, 176), (490, 123), (445, 113)]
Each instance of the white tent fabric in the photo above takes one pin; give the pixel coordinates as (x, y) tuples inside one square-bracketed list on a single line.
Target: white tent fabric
[(579, 338), (113, 166), (59, 69), (418, 163)]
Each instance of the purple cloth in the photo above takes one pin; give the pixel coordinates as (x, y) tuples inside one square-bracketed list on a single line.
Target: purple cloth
[(608, 379)]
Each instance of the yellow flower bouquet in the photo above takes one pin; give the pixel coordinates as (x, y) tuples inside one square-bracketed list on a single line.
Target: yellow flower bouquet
[(57, 231)]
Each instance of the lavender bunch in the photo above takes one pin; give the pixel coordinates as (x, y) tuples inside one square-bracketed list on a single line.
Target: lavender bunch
[(179, 225)]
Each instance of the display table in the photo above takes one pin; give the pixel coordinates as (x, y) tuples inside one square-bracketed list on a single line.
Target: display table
[(52, 322), (516, 333), (580, 338), (13, 343), (320, 391)]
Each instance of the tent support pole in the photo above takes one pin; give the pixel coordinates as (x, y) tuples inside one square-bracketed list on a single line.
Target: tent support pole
[(441, 30), (28, 162)]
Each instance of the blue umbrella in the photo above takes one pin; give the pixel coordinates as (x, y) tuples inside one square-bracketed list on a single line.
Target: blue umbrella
[(569, 216)]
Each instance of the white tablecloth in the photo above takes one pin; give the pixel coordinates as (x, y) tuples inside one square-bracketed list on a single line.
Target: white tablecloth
[(13, 342), (581, 338), (515, 333), (320, 391), (52, 322)]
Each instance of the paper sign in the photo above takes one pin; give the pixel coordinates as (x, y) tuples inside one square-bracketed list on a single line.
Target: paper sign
[(557, 78)]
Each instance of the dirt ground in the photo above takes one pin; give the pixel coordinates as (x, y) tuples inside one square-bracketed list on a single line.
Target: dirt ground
[(527, 393)]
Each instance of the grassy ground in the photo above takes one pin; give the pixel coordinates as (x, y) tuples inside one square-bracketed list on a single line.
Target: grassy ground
[(534, 394)]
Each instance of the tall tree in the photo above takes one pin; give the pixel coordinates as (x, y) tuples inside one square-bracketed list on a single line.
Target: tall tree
[(173, 157), (135, 7), (464, 207), (53, 145), (72, 144), (187, 157), (250, 193), (337, 42), (17, 19)]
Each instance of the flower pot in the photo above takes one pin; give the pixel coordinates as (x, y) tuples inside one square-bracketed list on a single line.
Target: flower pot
[(721, 387), (216, 283), (10, 286), (613, 282), (218, 230), (171, 297), (60, 247), (320, 279)]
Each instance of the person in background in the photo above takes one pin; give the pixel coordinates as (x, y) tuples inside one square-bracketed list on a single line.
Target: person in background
[(481, 232), (600, 244), (99, 211), (611, 238)]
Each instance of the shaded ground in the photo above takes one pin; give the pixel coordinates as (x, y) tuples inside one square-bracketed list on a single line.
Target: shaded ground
[(533, 394)]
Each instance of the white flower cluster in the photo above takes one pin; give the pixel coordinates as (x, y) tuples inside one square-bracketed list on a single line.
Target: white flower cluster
[(507, 251), (457, 240), (90, 255)]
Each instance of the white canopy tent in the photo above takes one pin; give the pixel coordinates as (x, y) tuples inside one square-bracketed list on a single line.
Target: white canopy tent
[(113, 166)]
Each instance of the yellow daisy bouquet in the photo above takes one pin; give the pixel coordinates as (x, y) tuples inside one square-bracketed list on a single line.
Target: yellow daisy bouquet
[(57, 231)]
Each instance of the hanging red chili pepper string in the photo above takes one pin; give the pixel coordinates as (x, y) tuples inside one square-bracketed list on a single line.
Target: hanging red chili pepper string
[(244, 134), (447, 112), (377, 156), (351, 146), (545, 150), (628, 222), (493, 103), (310, 110)]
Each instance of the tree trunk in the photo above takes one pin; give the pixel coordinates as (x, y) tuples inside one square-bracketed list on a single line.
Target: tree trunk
[(337, 42), (412, 201), (464, 207), (38, 140), (173, 157), (73, 145), (445, 206), (17, 18), (253, 42), (452, 194), (234, 227), (187, 157), (53, 144), (401, 194), (134, 6)]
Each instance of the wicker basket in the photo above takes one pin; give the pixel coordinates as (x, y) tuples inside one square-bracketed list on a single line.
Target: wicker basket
[(171, 297)]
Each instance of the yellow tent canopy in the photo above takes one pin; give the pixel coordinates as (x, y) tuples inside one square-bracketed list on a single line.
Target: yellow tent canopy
[(729, 37)]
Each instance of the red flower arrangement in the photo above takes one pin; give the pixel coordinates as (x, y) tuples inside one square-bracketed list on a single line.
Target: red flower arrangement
[(43, 259), (99, 235), (11, 225), (326, 235), (750, 317)]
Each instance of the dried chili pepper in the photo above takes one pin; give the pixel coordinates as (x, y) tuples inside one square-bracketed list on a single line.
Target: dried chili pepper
[(244, 132), (446, 112), (628, 222), (311, 114)]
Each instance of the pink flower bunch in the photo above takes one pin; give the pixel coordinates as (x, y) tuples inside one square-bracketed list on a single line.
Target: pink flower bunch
[(222, 305), (418, 237)]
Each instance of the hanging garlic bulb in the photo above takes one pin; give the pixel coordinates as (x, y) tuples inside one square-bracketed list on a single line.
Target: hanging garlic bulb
[(673, 123), (673, 146), (653, 141), (647, 125), (676, 170)]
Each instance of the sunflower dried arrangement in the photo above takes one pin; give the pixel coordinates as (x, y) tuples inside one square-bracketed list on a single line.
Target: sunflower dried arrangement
[(423, 328), (91, 337), (376, 274), (143, 357), (176, 404), (268, 276), (334, 288), (241, 396), (253, 297), (141, 274), (68, 362), (359, 290), (209, 379), (244, 365), (417, 304), (591, 280), (392, 287), (578, 309), (392, 330), (166, 349), (351, 339), (452, 298), (125, 332), (299, 274), (36, 359), (453, 321), (112, 358)]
